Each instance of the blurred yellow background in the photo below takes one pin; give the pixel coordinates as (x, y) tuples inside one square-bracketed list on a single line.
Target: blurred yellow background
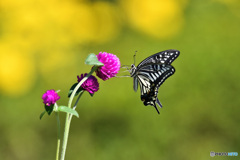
[(43, 45)]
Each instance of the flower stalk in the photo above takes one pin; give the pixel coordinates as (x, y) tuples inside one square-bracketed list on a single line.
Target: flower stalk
[(106, 65), (69, 116), (58, 135)]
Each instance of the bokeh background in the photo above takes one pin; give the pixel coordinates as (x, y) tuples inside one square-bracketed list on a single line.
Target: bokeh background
[(43, 45)]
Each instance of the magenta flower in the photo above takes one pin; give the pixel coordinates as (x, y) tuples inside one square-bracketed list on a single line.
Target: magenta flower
[(111, 65), (91, 84), (50, 97)]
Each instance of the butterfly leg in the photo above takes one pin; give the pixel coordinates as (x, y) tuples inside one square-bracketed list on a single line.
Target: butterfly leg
[(125, 71), (122, 76), (125, 66)]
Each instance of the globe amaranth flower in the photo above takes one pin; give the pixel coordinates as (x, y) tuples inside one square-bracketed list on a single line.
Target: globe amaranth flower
[(111, 65), (91, 84), (50, 97)]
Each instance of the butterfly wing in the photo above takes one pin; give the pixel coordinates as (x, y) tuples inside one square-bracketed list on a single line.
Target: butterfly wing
[(164, 57), (150, 77)]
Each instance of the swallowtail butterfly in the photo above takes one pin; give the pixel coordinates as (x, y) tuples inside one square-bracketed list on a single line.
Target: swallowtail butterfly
[(151, 73)]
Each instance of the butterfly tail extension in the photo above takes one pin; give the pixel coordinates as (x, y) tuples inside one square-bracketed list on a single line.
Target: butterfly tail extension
[(156, 108), (159, 103)]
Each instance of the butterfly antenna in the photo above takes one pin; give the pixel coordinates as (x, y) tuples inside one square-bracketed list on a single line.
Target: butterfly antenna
[(134, 57)]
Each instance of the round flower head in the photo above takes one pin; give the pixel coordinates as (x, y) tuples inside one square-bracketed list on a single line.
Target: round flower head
[(111, 65), (50, 97), (91, 84)]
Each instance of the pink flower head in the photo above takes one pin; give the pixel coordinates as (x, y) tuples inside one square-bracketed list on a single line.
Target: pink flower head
[(91, 84), (50, 97), (111, 65)]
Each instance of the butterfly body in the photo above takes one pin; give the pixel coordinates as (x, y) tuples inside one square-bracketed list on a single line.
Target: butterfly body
[(151, 73)]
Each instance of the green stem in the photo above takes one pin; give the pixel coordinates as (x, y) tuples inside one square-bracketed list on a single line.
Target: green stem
[(58, 135), (68, 119), (75, 105)]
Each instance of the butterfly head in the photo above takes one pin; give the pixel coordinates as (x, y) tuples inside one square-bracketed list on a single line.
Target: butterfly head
[(132, 70)]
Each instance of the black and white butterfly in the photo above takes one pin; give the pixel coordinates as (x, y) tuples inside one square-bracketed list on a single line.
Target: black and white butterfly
[(151, 73)]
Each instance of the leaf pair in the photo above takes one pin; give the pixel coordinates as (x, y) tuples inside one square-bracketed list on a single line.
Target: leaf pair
[(49, 109)]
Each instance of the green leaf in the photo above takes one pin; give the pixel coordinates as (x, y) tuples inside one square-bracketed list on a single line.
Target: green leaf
[(42, 114), (68, 110), (49, 109), (92, 60), (72, 88)]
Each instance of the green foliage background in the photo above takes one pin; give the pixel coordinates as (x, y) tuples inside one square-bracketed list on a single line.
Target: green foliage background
[(200, 101)]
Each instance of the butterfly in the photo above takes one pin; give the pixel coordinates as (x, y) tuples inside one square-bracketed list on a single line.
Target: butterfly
[(151, 73)]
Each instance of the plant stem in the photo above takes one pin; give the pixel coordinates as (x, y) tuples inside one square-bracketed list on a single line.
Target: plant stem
[(75, 105), (68, 117), (58, 135)]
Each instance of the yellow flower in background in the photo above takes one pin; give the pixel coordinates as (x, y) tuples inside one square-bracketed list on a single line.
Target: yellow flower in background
[(158, 18), (49, 30), (90, 22), (108, 24), (64, 22), (60, 22), (17, 71)]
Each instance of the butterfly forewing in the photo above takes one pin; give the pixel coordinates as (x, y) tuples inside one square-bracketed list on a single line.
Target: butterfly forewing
[(164, 57)]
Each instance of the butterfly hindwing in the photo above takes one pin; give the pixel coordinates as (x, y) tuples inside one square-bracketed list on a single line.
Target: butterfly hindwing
[(151, 81)]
